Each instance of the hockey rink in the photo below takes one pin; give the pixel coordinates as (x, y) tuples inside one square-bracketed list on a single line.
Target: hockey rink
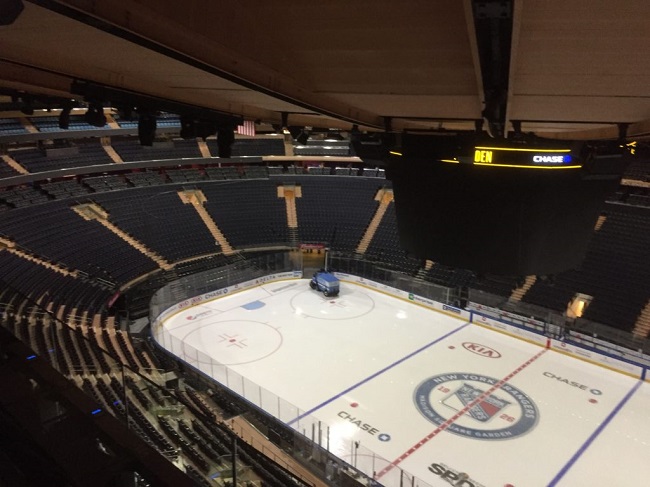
[(388, 385)]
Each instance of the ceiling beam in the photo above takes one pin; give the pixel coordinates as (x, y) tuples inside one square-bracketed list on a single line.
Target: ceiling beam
[(635, 131), (473, 44), (493, 27), (514, 51), (34, 80), (135, 23)]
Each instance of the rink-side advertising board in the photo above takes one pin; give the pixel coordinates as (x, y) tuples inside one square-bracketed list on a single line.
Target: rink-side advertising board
[(571, 349), (513, 325), (406, 296), (508, 329), (597, 358), (217, 293)]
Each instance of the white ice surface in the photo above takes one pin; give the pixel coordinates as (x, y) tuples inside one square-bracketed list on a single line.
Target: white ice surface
[(361, 356)]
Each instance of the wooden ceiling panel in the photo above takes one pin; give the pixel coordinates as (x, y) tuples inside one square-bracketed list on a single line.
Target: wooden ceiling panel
[(582, 60), (55, 43), (586, 108), (339, 46), (579, 85), (314, 49), (418, 106), (573, 60)]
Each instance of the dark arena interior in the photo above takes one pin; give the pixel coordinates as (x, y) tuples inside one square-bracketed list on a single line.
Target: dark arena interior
[(495, 153)]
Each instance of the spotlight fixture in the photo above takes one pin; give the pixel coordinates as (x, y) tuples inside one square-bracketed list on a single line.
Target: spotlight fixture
[(27, 107), (334, 135), (95, 115), (302, 137), (147, 127), (225, 139), (64, 116), (191, 128), (125, 112), (188, 128)]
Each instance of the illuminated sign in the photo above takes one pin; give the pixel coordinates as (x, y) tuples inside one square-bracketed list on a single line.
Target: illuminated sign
[(549, 159), (520, 157), (484, 156)]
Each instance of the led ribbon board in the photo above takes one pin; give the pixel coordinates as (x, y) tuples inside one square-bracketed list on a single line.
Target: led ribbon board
[(525, 158), (519, 158)]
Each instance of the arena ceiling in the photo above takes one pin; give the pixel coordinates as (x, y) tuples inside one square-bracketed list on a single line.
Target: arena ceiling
[(569, 68)]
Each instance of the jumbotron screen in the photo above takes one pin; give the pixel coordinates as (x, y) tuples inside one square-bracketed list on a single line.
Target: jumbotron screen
[(510, 208)]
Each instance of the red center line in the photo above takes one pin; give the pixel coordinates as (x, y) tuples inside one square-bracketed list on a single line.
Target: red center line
[(460, 413)]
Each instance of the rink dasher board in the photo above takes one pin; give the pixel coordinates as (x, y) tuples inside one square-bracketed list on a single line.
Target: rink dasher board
[(574, 350), (221, 292), (415, 462)]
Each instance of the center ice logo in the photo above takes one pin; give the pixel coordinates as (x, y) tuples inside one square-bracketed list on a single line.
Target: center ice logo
[(471, 405), (480, 408)]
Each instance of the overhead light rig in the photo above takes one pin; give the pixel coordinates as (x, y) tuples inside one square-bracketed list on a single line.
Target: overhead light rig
[(196, 121)]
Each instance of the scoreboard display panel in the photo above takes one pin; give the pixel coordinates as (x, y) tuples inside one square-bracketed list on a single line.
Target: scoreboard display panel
[(472, 150), (503, 208)]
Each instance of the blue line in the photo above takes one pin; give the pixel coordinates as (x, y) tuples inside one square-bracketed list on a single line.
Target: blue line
[(594, 435), (388, 367)]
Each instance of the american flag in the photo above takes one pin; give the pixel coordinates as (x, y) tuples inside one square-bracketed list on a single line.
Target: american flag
[(247, 129)]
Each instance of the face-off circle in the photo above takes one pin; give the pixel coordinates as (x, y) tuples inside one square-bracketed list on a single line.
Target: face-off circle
[(344, 307), (466, 404), (232, 342)]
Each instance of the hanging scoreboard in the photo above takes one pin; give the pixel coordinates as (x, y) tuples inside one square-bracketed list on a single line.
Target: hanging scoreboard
[(507, 207)]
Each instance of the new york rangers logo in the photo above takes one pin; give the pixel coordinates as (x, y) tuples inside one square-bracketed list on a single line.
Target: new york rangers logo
[(476, 406), (480, 408)]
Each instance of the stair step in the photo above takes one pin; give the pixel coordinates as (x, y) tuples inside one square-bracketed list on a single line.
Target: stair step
[(642, 325), (520, 292), (385, 197)]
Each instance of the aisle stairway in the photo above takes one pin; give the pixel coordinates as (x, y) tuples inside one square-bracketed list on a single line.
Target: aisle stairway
[(385, 197), (290, 192), (14, 164), (108, 148), (518, 294), (642, 326), (197, 199), (92, 211), (10, 246)]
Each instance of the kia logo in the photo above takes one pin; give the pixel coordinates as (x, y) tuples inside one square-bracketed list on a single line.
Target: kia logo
[(481, 350)]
